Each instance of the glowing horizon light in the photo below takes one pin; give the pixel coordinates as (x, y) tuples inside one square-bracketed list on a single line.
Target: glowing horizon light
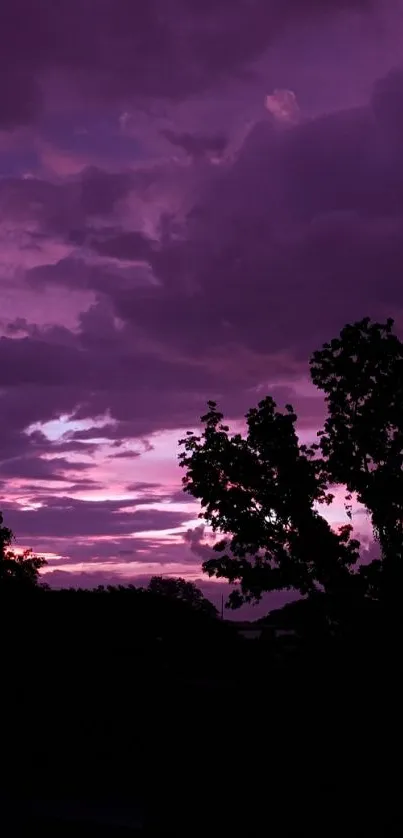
[(131, 570)]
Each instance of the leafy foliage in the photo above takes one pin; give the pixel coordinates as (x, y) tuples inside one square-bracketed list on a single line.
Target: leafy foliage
[(17, 569), (176, 588), (260, 492), (361, 374)]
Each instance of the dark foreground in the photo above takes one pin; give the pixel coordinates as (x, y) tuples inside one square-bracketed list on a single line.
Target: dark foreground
[(107, 731)]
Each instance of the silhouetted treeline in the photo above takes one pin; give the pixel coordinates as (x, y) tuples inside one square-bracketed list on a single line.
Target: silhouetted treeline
[(111, 623), (262, 492), (147, 695)]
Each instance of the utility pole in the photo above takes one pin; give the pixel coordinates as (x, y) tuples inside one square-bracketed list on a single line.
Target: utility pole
[(222, 606)]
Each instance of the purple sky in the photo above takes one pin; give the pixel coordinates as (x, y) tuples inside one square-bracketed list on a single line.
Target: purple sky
[(194, 195)]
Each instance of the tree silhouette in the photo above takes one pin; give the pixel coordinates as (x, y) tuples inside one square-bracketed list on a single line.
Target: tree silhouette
[(176, 588), (260, 493), (361, 374), (17, 569)]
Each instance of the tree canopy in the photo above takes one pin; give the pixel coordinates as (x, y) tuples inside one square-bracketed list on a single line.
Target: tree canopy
[(263, 492), (176, 588), (17, 570), (260, 492), (361, 374)]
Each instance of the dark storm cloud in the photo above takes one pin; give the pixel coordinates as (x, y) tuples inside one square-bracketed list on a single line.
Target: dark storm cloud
[(127, 550), (125, 455), (194, 538), (197, 146), (73, 447), (22, 406), (80, 484), (53, 372), (117, 49), (301, 232), (35, 468), (99, 190), (107, 431), (92, 361), (143, 486), (34, 457), (66, 517), (181, 497), (28, 361), (66, 206), (76, 273), (210, 281), (127, 246)]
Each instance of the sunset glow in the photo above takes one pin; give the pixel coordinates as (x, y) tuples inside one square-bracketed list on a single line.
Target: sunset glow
[(170, 233)]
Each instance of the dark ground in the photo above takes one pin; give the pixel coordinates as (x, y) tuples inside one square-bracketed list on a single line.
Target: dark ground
[(194, 736)]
